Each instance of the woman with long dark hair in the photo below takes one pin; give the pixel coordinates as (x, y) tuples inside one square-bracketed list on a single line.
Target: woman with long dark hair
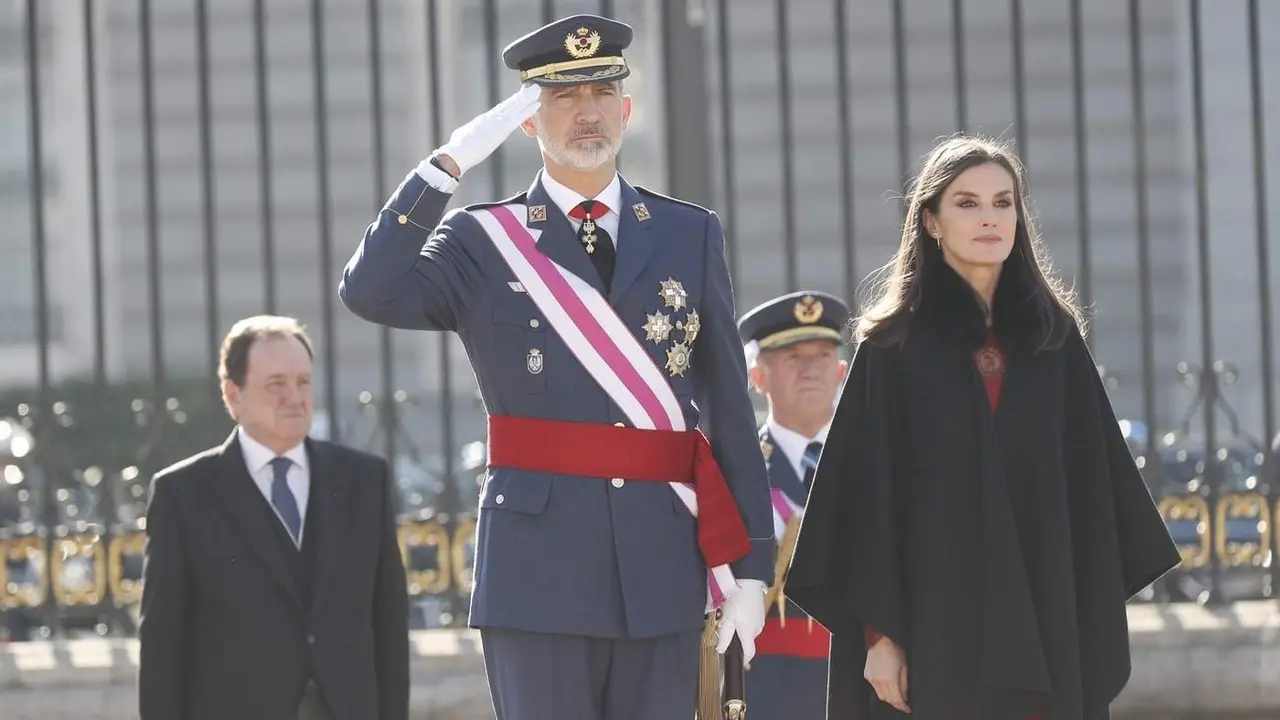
[(977, 523)]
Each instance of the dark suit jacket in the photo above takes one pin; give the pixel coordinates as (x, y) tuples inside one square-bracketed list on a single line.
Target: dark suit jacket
[(226, 630)]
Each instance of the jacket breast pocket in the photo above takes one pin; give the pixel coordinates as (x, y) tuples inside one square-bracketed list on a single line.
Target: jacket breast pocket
[(516, 491), (520, 337)]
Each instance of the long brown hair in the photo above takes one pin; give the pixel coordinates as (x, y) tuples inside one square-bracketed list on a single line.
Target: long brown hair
[(899, 286)]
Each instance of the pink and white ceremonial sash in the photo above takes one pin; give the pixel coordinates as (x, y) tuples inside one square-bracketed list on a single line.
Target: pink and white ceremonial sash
[(602, 343), (783, 510)]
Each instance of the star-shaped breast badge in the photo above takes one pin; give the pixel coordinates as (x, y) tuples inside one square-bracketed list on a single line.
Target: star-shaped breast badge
[(673, 294), (657, 328)]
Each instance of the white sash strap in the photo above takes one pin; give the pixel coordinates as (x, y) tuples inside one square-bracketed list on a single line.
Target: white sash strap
[(602, 343)]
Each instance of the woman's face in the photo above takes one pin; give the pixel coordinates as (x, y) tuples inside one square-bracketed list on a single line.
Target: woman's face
[(977, 217)]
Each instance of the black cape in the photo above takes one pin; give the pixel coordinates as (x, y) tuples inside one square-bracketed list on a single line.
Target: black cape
[(998, 551)]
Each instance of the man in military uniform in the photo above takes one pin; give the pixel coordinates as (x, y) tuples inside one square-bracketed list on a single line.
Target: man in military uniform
[(792, 346), (599, 320)]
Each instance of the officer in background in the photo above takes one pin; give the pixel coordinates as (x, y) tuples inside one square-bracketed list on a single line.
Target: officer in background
[(792, 345), (599, 321)]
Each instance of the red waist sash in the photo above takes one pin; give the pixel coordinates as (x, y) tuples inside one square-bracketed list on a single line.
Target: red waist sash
[(595, 450), (799, 637)]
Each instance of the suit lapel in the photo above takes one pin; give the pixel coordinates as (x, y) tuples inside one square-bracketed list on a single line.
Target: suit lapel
[(558, 240), (781, 474), (244, 505), (328, 498), (634, 242)]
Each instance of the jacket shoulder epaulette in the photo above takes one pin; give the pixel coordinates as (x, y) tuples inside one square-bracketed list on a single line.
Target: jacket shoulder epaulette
[(517, 198), (667, 198)]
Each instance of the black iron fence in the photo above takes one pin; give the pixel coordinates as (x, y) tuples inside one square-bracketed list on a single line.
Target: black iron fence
[(171, 185)]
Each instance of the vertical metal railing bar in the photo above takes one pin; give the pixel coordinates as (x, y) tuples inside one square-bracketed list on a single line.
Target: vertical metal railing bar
[(266, 202), (496, 161), (97, 286), (606, 10), (155, 297), (548, 11), (1261, 227), (388, 415), (450, 501), (209, 210), (96, 262), (43, 416), (844, 130), (1085, 271), (960, 63), (1210, 385), (1143, 229), (1202, 224), (730, 205), (325, 231), (788, 147), (901, 106), (1019, 81)]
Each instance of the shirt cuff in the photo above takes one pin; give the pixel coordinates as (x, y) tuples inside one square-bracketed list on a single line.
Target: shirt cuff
[(870, 636), (436, 177)]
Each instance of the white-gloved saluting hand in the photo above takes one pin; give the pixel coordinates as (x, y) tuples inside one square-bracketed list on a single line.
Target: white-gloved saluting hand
[(744, 614), (470, 144)]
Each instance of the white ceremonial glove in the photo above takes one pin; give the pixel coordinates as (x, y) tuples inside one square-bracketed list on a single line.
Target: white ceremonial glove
[(744, 614), (470, 144)]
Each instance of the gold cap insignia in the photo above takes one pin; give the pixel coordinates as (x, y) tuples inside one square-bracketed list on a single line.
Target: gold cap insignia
[(642, 212), (808, 309), (537, 213), (582, 43)]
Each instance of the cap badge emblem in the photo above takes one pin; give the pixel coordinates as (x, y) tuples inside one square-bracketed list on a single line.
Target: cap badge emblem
[(582, 43), (808, 309)]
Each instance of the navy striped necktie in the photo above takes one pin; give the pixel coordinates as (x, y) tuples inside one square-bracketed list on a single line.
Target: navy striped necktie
[(810, 461), (282, 497)]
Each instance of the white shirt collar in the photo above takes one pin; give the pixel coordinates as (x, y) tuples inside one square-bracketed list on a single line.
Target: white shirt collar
[(257, 455), (567, 199), (792, 442)]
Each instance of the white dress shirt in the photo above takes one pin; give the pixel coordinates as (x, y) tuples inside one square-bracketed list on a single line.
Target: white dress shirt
[(793, 444), (258, 457), (567, 200)]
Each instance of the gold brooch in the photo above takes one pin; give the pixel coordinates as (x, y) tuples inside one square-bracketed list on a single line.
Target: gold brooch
[(766, 447), (657, 328), (989, 361), (692, 324), (582, 43), (537, 213), (673, 294), (642, 212), (678, 359)]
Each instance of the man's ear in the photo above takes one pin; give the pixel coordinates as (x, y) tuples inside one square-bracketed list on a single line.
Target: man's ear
[(230, 396), (626, 111), (528, 127), (756, 374), (844, 370)]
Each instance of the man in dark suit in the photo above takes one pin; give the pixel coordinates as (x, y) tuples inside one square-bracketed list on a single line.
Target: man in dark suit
[(273, 584)]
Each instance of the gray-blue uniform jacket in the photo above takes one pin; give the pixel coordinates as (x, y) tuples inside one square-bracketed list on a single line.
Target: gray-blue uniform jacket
[(560, 553)]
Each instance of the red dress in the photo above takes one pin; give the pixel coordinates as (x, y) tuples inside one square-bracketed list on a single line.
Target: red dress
[(990, 361)]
